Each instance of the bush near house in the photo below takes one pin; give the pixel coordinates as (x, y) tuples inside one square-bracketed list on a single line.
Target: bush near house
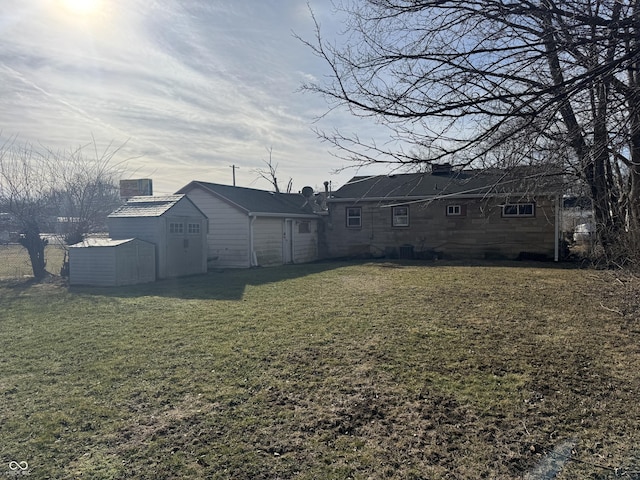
[(329, 370)]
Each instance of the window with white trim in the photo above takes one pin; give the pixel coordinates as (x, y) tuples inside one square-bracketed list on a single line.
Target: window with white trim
[(454, 210), (518, 210), (193, 228), (176, 228), (354, 217), (400, 216)]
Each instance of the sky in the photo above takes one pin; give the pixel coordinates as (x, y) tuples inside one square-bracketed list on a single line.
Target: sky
[(185, 89)]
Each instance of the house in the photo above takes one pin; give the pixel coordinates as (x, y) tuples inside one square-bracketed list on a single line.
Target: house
[(176, 227), (250, 227), (446, 213), (107, 262)]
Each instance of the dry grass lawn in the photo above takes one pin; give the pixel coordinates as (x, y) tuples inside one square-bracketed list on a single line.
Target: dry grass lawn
[(331, 370)]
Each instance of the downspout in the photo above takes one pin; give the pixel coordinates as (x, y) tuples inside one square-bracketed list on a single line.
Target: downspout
[(556, 250), (253, 259)]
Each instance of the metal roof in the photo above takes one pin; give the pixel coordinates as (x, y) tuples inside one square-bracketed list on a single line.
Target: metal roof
[(146, 206), (257, 202)]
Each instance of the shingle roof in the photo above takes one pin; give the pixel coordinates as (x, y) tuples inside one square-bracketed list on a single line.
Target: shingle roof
[(146, 206), (427, 185), (254, 201)]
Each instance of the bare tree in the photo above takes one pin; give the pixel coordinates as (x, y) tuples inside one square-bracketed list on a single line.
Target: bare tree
[(460, 79), (271, 174), (37, 186)]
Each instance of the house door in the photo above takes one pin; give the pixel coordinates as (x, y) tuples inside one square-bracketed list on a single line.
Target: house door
[(287, 241)]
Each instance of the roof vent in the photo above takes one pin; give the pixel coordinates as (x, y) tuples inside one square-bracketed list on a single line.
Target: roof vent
[(441, 169)]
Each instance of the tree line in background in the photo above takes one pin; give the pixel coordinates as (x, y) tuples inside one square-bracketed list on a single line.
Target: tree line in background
[(490, 83), (40, 188)]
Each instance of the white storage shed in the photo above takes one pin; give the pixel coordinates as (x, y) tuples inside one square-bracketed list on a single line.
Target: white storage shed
[(173, 224), (107, 262)]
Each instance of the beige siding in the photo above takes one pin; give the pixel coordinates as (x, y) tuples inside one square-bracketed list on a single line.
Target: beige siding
[(268, 237), (482, 232), (228, 237)]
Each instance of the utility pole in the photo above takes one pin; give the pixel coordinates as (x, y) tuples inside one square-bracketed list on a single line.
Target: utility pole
[(233, 168)]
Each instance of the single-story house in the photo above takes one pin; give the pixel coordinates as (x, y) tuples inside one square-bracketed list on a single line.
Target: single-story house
[(250, 227), (173, 223), (107, 262), (446, 213)]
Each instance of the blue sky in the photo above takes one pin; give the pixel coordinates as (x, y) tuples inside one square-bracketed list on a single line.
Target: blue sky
[(191, 86)]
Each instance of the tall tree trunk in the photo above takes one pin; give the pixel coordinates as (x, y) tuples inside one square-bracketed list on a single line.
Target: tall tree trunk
[(35, 247)]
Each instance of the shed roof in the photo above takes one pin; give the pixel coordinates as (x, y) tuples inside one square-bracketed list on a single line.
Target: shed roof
[(102, 242), (254, 201), (146, 206), (456, 183)]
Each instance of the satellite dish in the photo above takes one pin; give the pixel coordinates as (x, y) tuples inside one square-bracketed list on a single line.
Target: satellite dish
[(307, 192)]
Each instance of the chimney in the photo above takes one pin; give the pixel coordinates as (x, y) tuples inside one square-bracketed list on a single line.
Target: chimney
[(441, 168)]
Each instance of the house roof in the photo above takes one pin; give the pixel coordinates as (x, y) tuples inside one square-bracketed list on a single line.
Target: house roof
[(454, 184), (146, 206), (257, 202)]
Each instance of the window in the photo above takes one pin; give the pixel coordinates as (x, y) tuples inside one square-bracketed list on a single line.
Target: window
[(518, 210), (304, 227), (193, 228), (354, 217), (454, 210), (400, 216), (176, 227)]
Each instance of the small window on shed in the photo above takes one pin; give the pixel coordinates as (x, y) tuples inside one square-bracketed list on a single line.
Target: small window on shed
[(176, 228), (193, 228), (304, 227)]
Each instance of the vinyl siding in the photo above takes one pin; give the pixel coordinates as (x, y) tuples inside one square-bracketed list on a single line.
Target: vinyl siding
[(228, 237), (126, 264), (92, 266)]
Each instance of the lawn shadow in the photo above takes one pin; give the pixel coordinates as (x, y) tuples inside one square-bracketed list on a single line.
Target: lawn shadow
[(228, 284)]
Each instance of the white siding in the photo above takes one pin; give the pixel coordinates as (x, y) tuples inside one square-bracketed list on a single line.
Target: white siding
[(305, 245), (125, 264), (92, 266), (228, 238), (267, 241)]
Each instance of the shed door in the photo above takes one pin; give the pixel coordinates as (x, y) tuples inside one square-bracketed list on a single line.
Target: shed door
[(287, 241), (184, 246)]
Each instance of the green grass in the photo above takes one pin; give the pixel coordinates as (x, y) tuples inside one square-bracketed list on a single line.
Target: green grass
[(330, 370)]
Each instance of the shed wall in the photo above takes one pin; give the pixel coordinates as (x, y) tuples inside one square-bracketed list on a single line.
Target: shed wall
[(126, 264), (92, 266)]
